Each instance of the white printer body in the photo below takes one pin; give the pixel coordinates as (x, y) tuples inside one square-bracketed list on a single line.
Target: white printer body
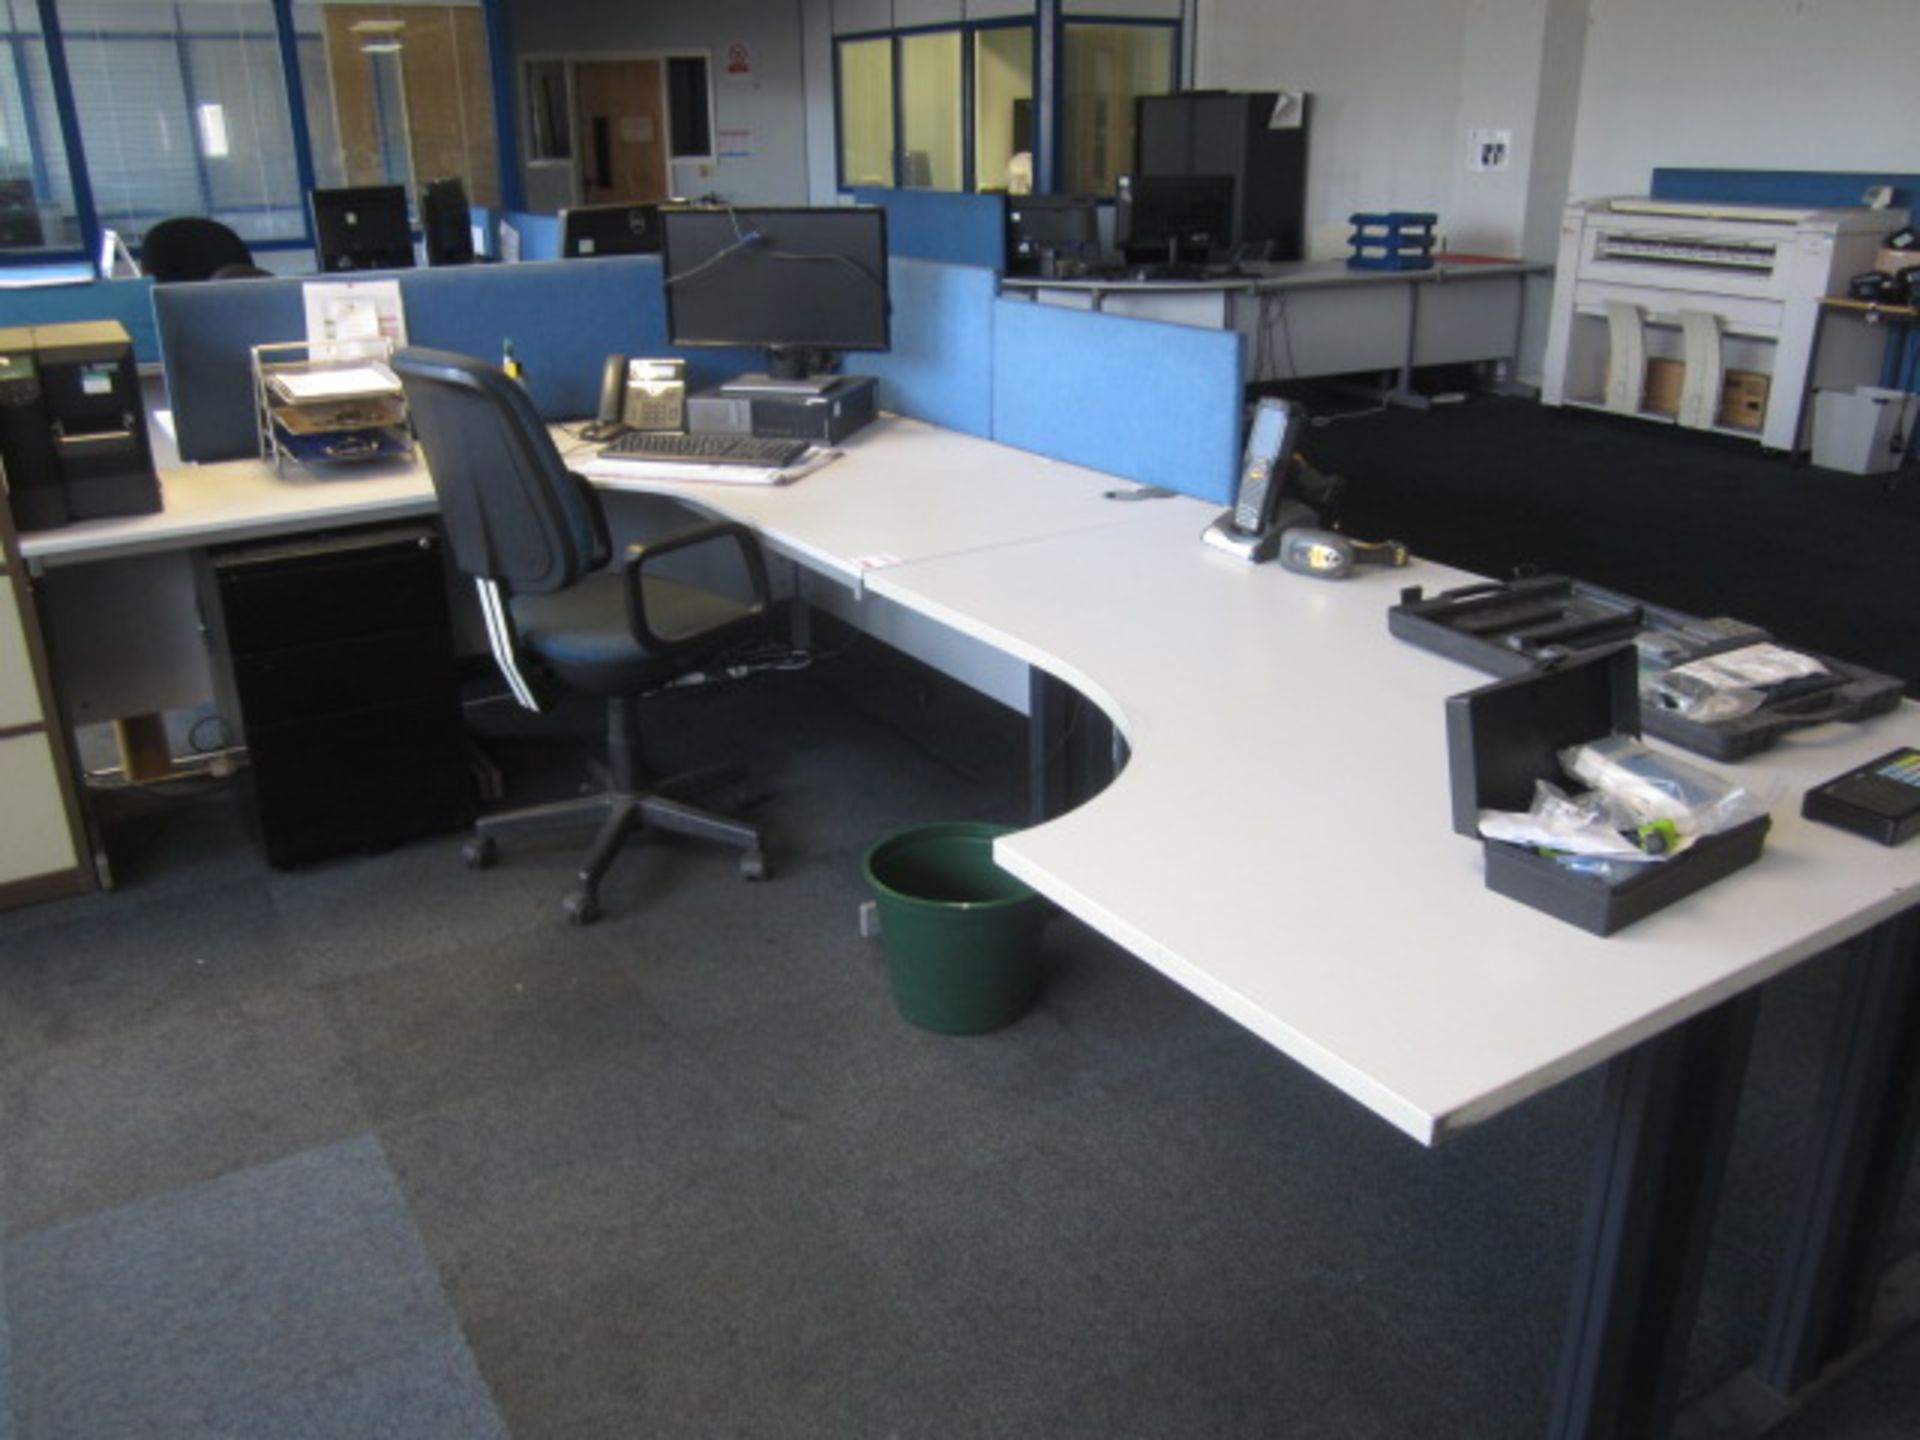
[(1718, 286)]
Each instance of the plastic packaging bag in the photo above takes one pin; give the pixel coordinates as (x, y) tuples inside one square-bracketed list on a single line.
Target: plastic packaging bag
[(1569, 825), (1652, 795)]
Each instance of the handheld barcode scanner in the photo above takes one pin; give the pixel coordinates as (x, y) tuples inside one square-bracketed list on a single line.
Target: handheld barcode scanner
[(1261, 511)]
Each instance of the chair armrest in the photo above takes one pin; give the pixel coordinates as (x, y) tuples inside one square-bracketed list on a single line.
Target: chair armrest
[(640, 555)]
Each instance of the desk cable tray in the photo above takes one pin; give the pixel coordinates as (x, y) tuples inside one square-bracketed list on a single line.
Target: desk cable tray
[(325, 410), (1544, 621)]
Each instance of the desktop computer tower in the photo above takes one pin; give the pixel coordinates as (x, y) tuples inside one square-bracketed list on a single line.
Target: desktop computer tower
[(333, 659), (827, 418), (1229, 133)]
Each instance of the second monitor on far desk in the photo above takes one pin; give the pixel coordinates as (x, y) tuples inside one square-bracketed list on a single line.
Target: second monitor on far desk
[(361, 227)]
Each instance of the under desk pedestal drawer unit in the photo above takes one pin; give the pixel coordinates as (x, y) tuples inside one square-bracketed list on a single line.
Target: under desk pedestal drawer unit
[(333, 658)]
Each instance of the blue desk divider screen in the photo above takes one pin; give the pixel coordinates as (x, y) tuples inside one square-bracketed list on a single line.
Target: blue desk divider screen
[(1154, 403), (942, 225), (87, 299), (563, 317), (539, 234), (940, 365)]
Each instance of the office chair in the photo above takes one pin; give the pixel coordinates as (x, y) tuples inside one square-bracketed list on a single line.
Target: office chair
[(531, 534), (191, 247)]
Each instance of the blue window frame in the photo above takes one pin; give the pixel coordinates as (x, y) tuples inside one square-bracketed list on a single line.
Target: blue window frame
[(907, 106), (117, 113), (1081, 141)]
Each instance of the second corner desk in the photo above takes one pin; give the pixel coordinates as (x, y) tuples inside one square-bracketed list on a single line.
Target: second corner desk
[(1308, 318)]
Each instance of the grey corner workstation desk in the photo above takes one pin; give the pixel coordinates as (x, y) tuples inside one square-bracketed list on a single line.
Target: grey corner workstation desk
[(1308, 318), (1437, 1011)]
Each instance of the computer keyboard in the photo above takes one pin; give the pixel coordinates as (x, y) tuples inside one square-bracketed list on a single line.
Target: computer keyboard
[(755, 450)]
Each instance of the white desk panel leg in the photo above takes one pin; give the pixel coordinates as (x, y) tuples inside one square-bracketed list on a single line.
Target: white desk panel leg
[(1299, 331), (125, 637)]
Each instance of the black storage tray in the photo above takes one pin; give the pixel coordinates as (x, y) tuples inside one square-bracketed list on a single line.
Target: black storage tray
[(1519, 626), (1503, 737)]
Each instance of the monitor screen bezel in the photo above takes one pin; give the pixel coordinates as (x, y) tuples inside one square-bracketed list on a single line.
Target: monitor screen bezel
[(1159, 194), (1084, 209), (871, 218), (579, 222), (446, 215), (324, 207)]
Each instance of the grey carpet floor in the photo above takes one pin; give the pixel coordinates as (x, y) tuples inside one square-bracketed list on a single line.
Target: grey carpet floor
[(381, 1148)]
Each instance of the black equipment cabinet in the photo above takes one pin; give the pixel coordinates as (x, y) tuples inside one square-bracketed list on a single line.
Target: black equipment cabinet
[(1218, 132), (333, 658)]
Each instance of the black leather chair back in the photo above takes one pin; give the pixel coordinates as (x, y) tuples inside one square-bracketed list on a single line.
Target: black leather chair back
[(191, 247), (512, 511)]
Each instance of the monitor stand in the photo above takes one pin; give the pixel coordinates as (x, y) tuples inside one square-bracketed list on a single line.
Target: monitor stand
[(758, 384)]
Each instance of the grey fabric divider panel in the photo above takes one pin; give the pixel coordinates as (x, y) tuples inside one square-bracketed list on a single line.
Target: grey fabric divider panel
[(940, 365), (1155, 403), (563, 317), (205, 330)]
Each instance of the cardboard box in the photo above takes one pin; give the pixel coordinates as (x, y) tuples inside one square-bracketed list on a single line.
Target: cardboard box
[(1743, 393), (1664, 379), (1892, 262), (1743, 399)]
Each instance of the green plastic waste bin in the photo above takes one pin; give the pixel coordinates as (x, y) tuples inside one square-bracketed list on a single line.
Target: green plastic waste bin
[(962, 935)]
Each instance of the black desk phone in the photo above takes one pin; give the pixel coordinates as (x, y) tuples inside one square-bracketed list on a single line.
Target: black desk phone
[(639, 395)]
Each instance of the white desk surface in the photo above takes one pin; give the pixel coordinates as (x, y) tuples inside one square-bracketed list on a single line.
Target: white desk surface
[(237, 500), (904, 490), (1280, 841), (901, 490)]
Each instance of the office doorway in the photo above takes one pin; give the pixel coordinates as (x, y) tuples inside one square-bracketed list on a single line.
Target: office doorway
[(620, 118)]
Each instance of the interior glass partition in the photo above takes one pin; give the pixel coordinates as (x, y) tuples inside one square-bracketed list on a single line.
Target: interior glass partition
[(1107, 66), (866, 111), (398, 95), (1002, 107), (931, 156)]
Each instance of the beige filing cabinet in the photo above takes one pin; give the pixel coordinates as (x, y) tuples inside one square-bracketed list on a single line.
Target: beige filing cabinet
[(43, 843)]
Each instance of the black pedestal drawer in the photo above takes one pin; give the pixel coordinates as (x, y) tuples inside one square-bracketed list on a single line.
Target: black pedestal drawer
[(333, 660)]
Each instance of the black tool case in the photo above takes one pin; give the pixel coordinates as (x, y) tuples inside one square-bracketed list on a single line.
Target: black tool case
[(1503, 737), (1519, 626)]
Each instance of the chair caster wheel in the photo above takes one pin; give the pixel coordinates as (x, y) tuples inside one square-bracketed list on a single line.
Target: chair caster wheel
[(580, 908), (479, 853), (753, 865)]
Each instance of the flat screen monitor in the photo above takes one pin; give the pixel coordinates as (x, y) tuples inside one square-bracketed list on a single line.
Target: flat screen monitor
[(20, 226), (803, 284), (446, 222), (590, 230), (1173, 219), (364, 227), (1052, 235)]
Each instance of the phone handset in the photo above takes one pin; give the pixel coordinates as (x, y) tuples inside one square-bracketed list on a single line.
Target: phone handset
[(607, 421), (1251, 529)]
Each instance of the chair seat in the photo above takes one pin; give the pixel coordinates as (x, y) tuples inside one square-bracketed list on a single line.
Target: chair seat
[(581, 633)]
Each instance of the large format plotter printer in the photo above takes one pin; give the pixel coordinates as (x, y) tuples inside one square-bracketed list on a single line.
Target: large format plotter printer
[(1718, 286)]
